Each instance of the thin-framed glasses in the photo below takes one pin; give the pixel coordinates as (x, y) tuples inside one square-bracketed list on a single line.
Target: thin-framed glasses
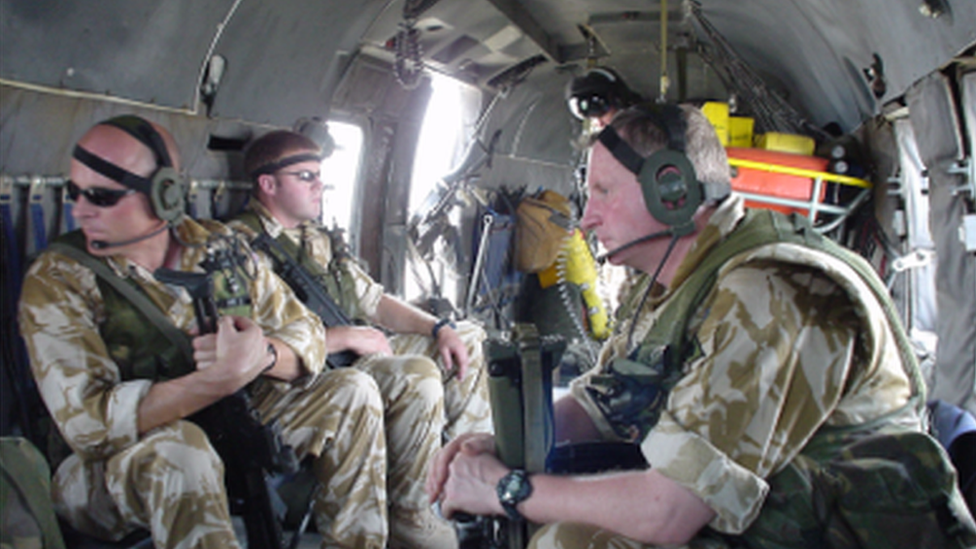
[(306, 176)]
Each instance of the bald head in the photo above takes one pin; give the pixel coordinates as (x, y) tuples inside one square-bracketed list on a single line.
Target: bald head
[(129, 150)]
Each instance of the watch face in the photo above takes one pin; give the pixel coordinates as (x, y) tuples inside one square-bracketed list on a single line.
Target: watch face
[(514, 487)]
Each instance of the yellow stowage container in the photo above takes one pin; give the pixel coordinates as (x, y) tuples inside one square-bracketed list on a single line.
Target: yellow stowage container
[(576, 265), (740, 131), (786, 142), (718, 114)]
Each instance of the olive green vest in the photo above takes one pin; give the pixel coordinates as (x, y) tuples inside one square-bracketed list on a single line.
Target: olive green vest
[(331, 277), (142, 341), (634, 390)]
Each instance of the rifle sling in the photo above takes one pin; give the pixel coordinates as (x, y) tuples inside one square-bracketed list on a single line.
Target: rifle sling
[(283, 251)]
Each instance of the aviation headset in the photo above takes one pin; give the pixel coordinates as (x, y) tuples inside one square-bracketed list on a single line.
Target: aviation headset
[(165, 187), (671, 189)]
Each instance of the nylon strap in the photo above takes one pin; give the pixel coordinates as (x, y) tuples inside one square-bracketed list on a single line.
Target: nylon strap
[(112, 171), (36, 202), (282, 163), (14, 274), (67, 211)]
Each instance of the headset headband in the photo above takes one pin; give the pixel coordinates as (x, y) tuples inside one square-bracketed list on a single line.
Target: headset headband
[(144, 132), (165, 188), (112, 171), (668, 119), (282, 163), (624, 153)]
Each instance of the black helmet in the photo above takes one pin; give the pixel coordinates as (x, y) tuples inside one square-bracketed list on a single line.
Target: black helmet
[(597, 91)]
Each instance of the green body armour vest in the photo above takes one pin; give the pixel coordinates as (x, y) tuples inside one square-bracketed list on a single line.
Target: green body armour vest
[(874, 485), (141, 340), (635, 389), (332, 277)]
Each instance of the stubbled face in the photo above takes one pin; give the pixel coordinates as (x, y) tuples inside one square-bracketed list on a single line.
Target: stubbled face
[(615, 210), (292, 198), (132, 215)]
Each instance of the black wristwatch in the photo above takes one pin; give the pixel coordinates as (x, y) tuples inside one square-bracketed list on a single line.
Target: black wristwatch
[(274, 357), (440, 324), (513, 489)]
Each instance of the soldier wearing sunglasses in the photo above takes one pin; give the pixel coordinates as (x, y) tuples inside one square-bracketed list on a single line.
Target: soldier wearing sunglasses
[(430, 371), (118, 398)]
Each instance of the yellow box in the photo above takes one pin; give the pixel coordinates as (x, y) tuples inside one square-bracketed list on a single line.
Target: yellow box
[(718, 114), (740, 131), (786, 142)]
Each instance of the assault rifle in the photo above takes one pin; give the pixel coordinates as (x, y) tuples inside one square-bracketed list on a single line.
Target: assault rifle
[(249, 449), (309, 290), (520, 371), (520, 383)]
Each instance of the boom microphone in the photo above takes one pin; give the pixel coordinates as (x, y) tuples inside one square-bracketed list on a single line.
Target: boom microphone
[(602, 258), (103, 244)]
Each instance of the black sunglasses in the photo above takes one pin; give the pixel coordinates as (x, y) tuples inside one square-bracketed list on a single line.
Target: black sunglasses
[(98, 196), (307, 176)]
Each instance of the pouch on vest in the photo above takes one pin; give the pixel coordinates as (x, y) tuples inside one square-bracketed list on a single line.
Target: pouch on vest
[(882, 490), (27, 519), (631, 394)]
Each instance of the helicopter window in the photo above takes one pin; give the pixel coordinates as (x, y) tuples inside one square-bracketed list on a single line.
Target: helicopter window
[(339, 172), (448, 126)]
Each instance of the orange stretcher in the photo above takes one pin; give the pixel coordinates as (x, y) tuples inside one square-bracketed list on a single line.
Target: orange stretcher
[(791, 183)]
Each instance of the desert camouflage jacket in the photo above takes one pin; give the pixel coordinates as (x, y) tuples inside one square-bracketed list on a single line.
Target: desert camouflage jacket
[(61, 310), (788, 340), (351, 286)]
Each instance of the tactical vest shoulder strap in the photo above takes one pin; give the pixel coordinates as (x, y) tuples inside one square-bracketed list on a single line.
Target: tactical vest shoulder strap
[(288, 247), (72, 245)]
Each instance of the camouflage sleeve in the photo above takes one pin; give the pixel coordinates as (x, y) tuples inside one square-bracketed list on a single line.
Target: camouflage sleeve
[(776, 343), (80, 384), (366, 291), (282, 315)]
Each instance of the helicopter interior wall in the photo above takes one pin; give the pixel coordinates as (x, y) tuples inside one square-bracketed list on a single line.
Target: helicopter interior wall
[(144, 51), (914, 288), (534, 148), (285, 58), (810, 49), (933, 112), (40, 128), (393, 117)]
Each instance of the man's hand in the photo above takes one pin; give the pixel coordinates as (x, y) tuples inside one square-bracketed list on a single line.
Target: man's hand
[(463, 475), (362, 340), (235, 355), (453, 353)]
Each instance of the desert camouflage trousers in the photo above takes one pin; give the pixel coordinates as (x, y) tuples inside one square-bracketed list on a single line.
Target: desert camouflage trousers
[(413, 416), (467, 406), (171, 481)]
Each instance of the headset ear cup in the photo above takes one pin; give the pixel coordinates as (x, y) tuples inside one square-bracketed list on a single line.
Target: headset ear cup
[(672, 193), (168, 195)]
